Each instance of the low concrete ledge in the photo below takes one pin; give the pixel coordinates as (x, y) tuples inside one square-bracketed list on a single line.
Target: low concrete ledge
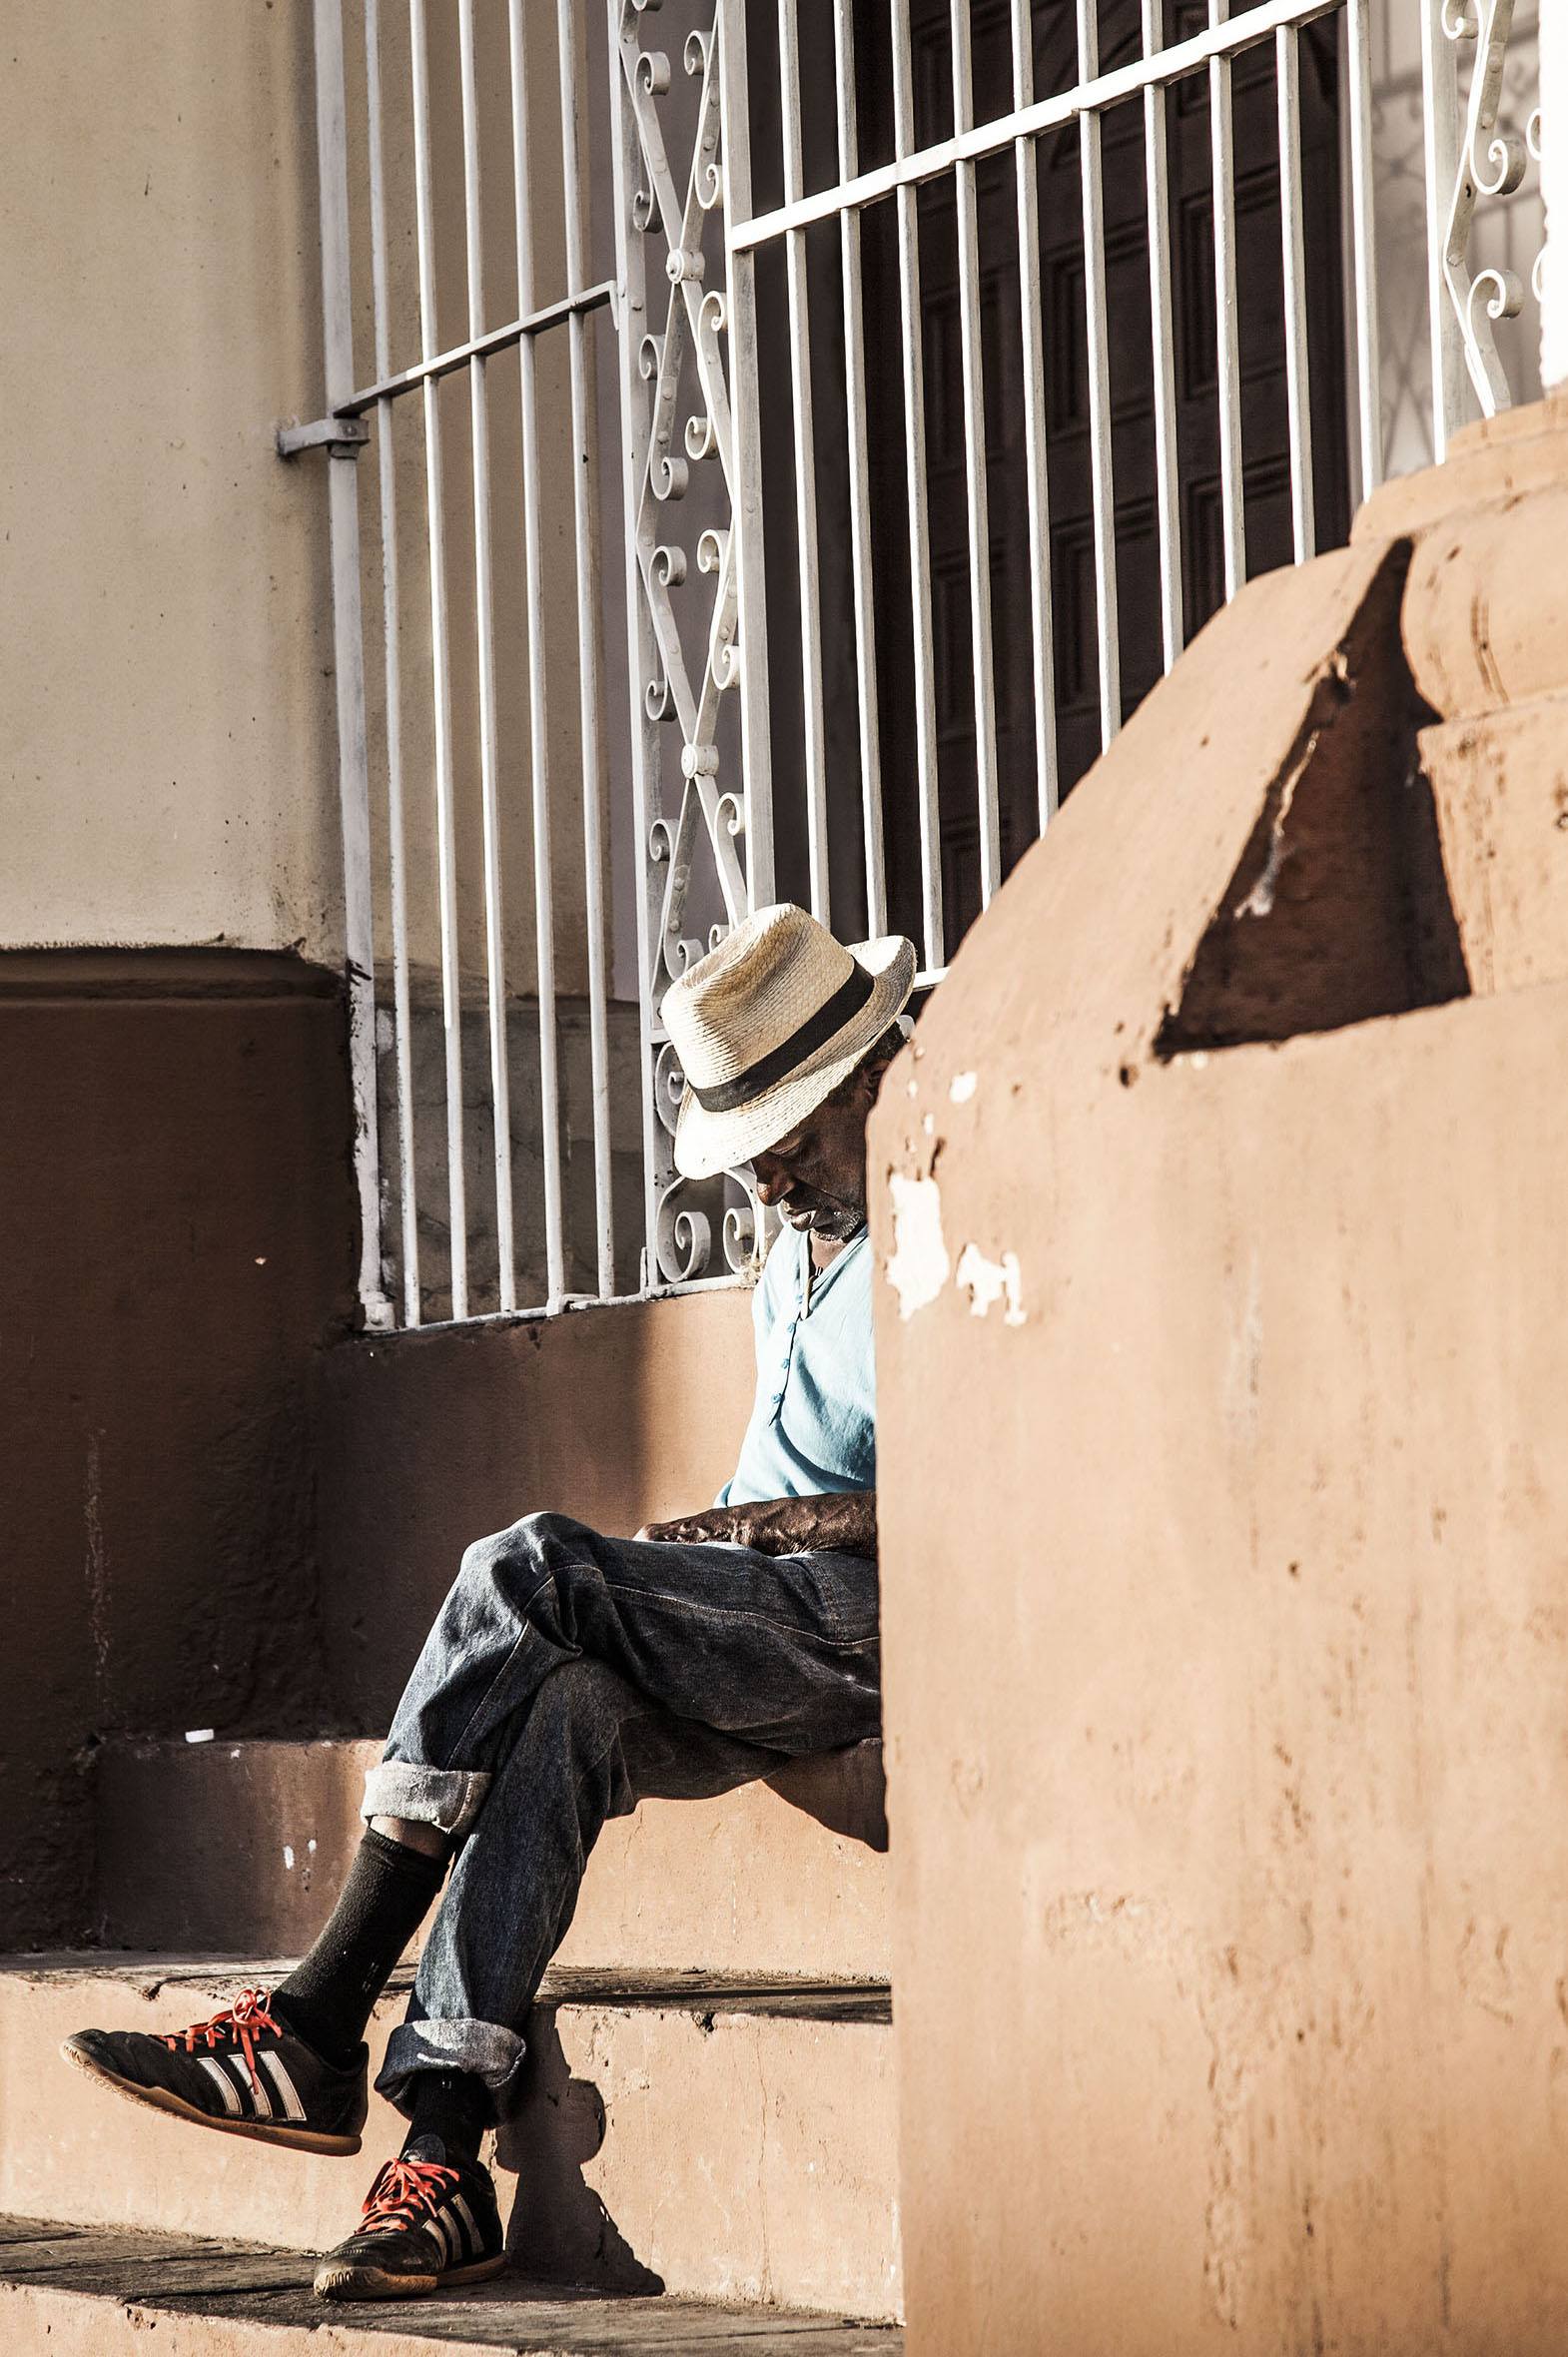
[(239, 1848), (702, 2138), (88, 2292)]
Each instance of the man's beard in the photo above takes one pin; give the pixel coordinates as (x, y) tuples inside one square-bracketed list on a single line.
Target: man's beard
[(824, 1216)]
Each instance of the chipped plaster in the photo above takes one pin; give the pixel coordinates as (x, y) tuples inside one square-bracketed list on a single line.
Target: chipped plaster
[(991, 1280), (918, 1266)]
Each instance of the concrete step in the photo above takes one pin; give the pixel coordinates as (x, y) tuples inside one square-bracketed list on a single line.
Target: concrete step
[(714, 2137), (235, 1849), (85, 2292)]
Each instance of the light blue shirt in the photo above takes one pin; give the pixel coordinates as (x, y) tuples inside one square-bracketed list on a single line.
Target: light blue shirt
[(813, 1422)]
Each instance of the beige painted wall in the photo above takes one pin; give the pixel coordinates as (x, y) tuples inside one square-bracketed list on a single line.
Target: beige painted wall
[(168, 768), (170, 754)]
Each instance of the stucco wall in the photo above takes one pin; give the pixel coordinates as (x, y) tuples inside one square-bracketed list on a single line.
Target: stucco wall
[(1224, 1648), (168, 764)]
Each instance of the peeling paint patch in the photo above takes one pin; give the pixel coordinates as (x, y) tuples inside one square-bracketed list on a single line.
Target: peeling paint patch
[(288, 1858), (991, 1280), (964, 1086), (918, 1266)]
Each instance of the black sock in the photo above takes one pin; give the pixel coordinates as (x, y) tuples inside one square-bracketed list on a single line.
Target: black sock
[(454, 2106), (327, 1999)]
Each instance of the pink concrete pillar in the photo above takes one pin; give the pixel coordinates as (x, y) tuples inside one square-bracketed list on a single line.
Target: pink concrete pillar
[(1224, 1484)]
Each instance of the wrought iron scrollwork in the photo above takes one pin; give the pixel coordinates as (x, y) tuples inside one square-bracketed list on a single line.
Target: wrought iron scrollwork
[(696, 821), (1492, 164)]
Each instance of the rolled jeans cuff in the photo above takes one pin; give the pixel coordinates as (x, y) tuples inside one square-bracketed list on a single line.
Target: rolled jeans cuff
[(447, 1798), (482, 2049)]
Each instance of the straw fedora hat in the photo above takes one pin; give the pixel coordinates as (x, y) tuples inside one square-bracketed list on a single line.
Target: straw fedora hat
[(768, 1023)]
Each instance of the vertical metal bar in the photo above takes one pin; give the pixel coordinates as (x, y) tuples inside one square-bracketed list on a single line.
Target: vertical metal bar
[(349, 655), (1363, 255), (1550, 274), (445, 844), (385, 467), (538, 726), (484, 606), (976, 486), (1288, 69), (590, 697), (1107, 626), (1347, 298), (1167, 497), (1042, 629), (1227, 366), (745, 486), (859, 484), (1440, 92), (919, 519), (805, 477), (631, 324)]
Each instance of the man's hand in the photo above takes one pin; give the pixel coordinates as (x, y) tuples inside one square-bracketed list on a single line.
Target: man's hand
[(844, 1523)]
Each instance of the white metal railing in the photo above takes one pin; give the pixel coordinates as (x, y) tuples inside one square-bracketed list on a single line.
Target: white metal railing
[(724, 363)]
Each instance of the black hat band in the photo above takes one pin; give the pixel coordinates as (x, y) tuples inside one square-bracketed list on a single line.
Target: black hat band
[(847, 1002)]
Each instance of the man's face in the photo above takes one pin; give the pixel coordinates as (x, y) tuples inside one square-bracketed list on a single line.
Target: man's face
[(817, 1174)]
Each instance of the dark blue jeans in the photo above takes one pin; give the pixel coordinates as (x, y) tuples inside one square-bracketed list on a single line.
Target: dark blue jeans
[(567, 1676)]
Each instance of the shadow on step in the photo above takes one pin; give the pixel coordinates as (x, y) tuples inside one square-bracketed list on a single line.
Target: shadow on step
[(627, 2067), (560, 2231)]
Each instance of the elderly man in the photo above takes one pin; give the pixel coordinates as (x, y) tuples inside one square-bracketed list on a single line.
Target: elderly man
[(568, 1674)]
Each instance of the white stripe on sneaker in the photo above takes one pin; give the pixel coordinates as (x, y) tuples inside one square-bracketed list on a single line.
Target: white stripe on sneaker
[(451, 2241), (475, 2238), (259, 2104), (225, 2085), (273, 2065)]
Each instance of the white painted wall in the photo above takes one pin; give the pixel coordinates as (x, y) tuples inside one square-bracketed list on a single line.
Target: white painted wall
[(1554, 179), (166, 773)]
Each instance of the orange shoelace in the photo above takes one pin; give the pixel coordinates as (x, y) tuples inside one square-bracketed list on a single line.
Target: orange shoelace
[(408, 2190), (234, 2026)]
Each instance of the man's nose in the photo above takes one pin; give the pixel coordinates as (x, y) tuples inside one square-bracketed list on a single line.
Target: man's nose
[(773, 1184)]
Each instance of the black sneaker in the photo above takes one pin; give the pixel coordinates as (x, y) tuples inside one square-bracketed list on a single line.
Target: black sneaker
[(241, 2072), (427, 2223)]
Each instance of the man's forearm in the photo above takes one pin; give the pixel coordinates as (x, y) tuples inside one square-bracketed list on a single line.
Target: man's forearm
[(844, 1522)]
